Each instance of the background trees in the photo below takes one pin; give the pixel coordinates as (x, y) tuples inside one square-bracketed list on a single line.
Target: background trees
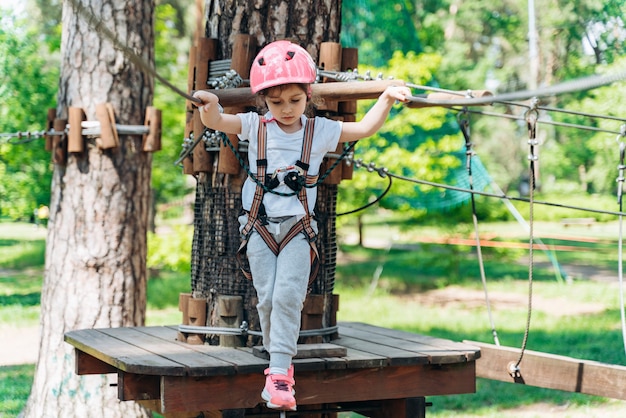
[(95, 272), (452, 44)]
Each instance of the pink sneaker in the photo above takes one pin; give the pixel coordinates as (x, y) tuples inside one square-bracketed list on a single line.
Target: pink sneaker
[(278, 391)]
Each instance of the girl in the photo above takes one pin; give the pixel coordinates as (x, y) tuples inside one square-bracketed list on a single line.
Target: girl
[(286, 150)]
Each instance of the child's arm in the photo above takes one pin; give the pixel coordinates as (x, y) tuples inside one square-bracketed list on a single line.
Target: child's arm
[(376, 116), (213, 118)]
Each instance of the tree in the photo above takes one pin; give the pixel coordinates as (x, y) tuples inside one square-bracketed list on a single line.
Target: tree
[(95, 272), (28, 75), (218, 195)]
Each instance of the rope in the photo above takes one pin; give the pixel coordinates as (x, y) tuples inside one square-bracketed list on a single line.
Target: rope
[(620, 185), (243, 330), (580, 84), (531, 121), (382, 172), (465, 129), (98, 26)]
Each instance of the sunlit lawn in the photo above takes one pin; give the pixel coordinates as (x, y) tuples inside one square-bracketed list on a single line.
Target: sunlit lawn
[(396, 300)]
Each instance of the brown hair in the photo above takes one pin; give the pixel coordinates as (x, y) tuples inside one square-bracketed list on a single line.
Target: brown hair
[(312, 99)]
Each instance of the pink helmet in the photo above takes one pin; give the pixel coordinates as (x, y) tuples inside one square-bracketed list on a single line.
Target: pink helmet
[(281, 62)]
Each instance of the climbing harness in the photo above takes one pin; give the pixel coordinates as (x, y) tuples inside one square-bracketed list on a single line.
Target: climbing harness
[(295, 180), (463, 120), (620, 189)]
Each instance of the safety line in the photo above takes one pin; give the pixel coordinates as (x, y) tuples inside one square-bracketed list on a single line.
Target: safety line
[(97, 24), (580, 84), (463, 119)]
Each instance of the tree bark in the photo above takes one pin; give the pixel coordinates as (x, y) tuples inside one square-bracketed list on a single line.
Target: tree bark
[(96, 247), (218, 197), (306, 22)]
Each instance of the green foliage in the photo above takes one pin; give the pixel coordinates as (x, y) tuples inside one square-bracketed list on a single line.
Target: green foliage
[(172, 47), (172, 250), (28, 81)]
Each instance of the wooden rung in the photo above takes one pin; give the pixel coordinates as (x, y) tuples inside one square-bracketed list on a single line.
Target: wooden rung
[(59, 143), (551, 371), (152, 140), (75, 136), (308, 351), (108, 131), (341, 90), (52, 114)]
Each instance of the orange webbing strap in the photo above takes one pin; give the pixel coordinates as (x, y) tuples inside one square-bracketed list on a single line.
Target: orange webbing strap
[(255, 222)]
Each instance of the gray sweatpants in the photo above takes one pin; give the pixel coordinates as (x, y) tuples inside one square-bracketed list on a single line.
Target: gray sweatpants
[(281, 284)]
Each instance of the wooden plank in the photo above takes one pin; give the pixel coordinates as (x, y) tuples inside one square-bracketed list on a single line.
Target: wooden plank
[(195, 364), (393, 342), (552, 371), (308, 351), (133, 387), (438, 350), (393, 356), (179, 394), (122, 355), (348, 90), (88, 364), (328, 386), (242, 358)]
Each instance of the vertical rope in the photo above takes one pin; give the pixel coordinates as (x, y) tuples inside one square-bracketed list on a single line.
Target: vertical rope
[(531, 122), (620, 187), (463, 118)]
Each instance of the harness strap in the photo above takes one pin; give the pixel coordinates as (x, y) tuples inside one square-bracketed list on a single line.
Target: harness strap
[(257, 217)]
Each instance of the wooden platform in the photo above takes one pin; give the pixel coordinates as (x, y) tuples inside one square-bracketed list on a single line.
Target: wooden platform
[(385, 373)]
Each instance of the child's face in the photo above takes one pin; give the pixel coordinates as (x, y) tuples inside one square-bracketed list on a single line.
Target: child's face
[(287, 103)]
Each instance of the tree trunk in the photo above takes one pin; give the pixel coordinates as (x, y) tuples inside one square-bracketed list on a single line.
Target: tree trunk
[(218, 197), (95, 272), (306, 22)]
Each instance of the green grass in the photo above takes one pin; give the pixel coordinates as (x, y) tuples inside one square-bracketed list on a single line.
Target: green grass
[(409, 271), (15, 384)]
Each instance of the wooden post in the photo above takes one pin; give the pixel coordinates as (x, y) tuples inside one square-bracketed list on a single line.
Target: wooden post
[(183, 306), (230, 313), (108, 132), (202, 160), (59, 143), (197, 316), (188, 162), (312, 316), (152, 140), (330, 60), (244, 49), (52, 113), (206, 51), (349, 61), (348, 109), (75, 141)]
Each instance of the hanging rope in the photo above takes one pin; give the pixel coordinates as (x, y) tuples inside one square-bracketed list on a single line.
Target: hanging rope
[(465, 129), (531, 121), (620, 187)]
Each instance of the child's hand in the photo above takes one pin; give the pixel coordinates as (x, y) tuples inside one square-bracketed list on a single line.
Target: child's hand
[(398, 93), (208, 100)]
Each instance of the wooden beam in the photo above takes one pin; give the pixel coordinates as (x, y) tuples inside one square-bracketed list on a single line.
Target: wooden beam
[(348, 90), (551, 371), (242, 391), (88, 364), (132, 387)]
